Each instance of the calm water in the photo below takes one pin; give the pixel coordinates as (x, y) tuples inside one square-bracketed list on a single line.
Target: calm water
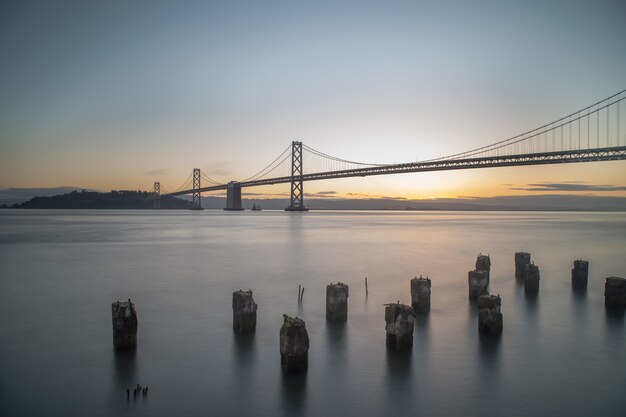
[(560, 354)]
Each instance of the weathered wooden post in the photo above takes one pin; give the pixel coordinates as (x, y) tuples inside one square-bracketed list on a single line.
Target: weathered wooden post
[(420, 294), (337, 302), (399, 326), (478, 282), (615, 293), (489, 315), (521, 260), (580, 274), (483, 263), (244, 311), (294, 344), (531, 279), (124, 318)]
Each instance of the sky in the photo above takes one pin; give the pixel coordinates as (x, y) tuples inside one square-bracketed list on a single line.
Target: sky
[(119, 94)]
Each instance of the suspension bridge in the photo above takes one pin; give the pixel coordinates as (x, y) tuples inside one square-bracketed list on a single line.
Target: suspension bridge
[(590, 134)]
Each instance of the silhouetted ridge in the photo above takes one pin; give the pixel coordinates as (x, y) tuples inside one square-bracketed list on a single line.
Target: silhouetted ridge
[(116, 199)]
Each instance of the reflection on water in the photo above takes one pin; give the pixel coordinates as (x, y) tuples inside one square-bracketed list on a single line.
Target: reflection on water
[(244, 348), (615, 320), (125, 367), (532, 303), (336, 336), (293, 392), (489, 349), (579, 294), (399, 364)]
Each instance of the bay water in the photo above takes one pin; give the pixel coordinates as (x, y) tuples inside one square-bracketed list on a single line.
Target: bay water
[(561, 353)]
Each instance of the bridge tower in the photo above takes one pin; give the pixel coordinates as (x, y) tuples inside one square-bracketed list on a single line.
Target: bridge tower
[(197, 199), (157, 195), (297, 190)]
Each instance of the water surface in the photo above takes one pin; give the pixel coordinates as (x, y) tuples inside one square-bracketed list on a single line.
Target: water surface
[(560, 353)]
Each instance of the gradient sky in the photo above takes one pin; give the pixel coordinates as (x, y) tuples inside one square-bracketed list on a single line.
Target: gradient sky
[(118, 94)]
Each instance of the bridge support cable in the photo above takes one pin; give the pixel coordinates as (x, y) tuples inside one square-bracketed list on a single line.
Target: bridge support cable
[(296, 202), (196, 203), (208, 179), (157, 195), (533, 141), (278, 166)]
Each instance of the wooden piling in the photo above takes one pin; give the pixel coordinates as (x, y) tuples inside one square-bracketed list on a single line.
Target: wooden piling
[(124, 318)]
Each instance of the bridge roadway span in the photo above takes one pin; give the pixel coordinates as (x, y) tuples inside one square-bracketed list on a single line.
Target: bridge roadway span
[(557, 157)]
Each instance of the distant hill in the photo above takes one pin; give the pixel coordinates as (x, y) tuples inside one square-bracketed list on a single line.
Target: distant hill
[(122, 199), (10, 196), (125, 199)]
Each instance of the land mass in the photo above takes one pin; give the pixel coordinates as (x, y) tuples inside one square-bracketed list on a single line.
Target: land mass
[(129, 199), (122, 199)]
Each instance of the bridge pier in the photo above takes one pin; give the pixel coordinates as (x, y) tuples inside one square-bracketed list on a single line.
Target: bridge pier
[(233, 196)]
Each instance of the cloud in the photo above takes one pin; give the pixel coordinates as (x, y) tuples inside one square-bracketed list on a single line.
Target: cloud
[(568, 186), (218, 169), (247, 194), (156, 172), (364, 195), (323, 194)]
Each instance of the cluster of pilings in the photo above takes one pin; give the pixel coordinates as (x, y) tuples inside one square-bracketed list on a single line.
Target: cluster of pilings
[(478, 279), (399, 318), (489, 314), (528, 272), (138, 390)]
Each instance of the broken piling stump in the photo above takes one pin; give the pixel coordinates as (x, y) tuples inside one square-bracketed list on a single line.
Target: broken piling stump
[(521, 260), (531, 279), (580, 274), (420, 294), (478, 282), (337, 302), (615, 293), (244, 312), (399, 326), (294, 344), (489, 314), (483, 263), (124, 317)]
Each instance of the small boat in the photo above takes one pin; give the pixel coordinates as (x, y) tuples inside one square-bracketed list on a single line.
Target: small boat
[(256, 208)]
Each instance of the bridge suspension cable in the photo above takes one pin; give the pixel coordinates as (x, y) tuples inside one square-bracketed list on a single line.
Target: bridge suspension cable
[(209, 179), (543, 138), (272, 167), (184, 186)]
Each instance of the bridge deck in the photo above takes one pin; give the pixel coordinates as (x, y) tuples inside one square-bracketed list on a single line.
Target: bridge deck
[(558, 157)]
